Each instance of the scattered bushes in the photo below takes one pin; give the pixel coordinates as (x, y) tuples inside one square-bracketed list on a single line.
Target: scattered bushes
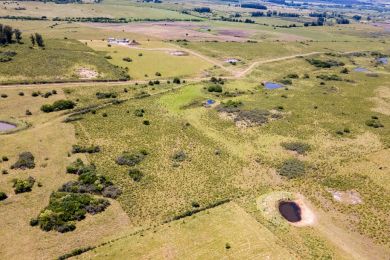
[(84, 149), (102, 95), (131, 159), (329, 77), (21, 186), (298, 147), (291, 168), (25, 161), (3, 196), (136, 175), (58, 105)]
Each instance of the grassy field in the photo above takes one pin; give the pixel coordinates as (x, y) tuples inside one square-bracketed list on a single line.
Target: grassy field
[(202, 236), (58, 61), (154, 58)]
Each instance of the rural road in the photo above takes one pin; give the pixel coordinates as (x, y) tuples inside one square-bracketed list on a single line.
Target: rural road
[(236, 74)]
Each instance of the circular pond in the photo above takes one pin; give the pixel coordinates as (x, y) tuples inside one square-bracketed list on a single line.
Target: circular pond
[(290, 211), (4, 126)]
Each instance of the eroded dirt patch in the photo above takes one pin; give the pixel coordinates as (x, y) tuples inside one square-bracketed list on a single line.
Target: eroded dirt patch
[(350, 197), (85, 73)]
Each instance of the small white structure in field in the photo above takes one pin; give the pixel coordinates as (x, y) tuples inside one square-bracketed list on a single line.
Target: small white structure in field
[(121, 41)]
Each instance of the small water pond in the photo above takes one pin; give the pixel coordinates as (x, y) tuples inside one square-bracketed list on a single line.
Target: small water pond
[(272, 85), (4, 126), (290, 211), (383, 60), (359, 69)]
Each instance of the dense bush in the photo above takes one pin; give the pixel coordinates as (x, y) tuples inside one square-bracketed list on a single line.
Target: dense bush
[(139, 112), (330, 77), (25, 161), (291, 168), (285, 81), (136, 175), (131, 159), (215, 88), (58, 105), (21, 186), (78, 167), (176, 81), (293, 76), (3, 196), (374, 122), (298, 147), (127, 59), (85, 149), (325, 64), (64, 208)]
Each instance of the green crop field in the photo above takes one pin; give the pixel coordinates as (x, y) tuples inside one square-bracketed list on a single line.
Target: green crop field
[(215, 134)]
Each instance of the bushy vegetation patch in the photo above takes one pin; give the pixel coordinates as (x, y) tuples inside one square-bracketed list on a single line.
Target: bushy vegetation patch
[(85, 149), (136, 175), (103, 95), (25, 161), (21, 186), (179, 156), (3, 196), (329, 77), (286, 81), (374, 122), (298, 147), (89, 181), (325, 64), (229, 106), (139, 112), (291, 168), (65, 208), (131, 159), (58, 106), (76, 252)]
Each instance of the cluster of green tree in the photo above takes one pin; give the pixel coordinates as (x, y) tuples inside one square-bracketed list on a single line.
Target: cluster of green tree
[(8, 35), (254, 6), (119, 20), (228, 19), (29, 18), (342, 21), (37, 39), (202, 9)]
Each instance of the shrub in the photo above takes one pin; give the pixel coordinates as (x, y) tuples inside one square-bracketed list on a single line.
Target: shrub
[(25, 161), (176, 80), (146, 122), (84, 149), (215, 88), (291, 168), (111, 192), (195, 204), (78, 167), (136, 175), (329, 77), (158, 74), (4, 95), (3, 196), (35, 94), (293, 76), (5, 158), (286, 81), (58, 105), (21, 94), (298, 147), (375, 123), (139, 112), (127, 59), (179, 156), (21, 186), (28, 113), (344, 71), (325, 64), (131, 159)]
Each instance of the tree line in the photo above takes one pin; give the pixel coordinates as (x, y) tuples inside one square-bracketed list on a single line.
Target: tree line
[(9, 35)]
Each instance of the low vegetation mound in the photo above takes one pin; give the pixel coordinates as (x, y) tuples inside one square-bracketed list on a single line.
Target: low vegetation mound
[(291, 168), (103, 95), (58, 106), (333, 77), (25, 161), (64, 208), (3, 196), (131, 159), (21, 186), (299, 147), (374, 122), (136, 175)]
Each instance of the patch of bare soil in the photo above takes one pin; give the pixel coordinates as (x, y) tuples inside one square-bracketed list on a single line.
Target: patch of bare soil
[(348, 197), (179, 53), (307, 216), (85, 73), (382, 100)]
